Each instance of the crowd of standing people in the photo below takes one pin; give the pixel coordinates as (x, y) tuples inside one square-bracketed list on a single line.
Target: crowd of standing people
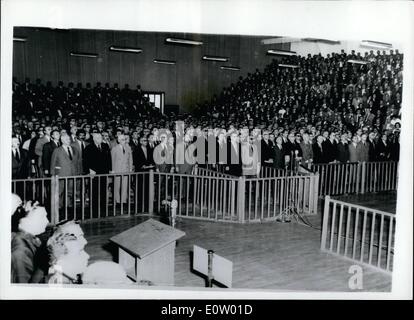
[(325, 110)]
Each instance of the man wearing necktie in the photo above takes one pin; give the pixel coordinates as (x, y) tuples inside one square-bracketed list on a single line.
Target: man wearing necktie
[(65, 162), (122, 162), (39, 146), (363, 149), (373, 154), (20, 161), (98, 161), (48, 149), (80, 144)]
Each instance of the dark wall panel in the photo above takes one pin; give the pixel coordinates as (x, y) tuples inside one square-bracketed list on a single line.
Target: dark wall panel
[(45, 55)]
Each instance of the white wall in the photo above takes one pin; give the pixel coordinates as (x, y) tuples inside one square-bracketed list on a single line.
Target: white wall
[(304, 48)]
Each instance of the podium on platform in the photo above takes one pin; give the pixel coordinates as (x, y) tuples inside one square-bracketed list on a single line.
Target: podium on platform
[(147, 251)]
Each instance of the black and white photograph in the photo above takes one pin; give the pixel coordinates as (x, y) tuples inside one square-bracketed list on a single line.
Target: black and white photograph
[(207, 148)]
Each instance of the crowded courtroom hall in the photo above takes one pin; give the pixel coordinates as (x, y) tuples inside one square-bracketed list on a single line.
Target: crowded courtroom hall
[(100, 161)]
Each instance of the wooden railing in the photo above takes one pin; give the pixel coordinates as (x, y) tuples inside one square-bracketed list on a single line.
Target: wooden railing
[(356, 177), (358, 233), (270, 172), (206, 195), (267, 198)]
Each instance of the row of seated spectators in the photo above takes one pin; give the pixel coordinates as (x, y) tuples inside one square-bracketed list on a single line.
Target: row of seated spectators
[(39, 99), (321, 90)]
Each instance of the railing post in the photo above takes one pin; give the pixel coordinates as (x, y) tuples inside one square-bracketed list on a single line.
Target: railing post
[(54, 197), (151, 192), (357, 178), (325, 222), (315, 194), (363, 170), (241, 198), (397, 175)]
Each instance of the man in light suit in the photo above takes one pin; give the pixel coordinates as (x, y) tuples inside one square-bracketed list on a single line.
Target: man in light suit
[(307, 151), (122, 162), (353, 149), (65, 162)]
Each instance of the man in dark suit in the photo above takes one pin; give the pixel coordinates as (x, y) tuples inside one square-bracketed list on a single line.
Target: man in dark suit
[(98, 156), (142, 156), (80, 145), (48, 149), (266, 149), (20, 161), (383, 148), (318, 151), (373, 146), (363, 149), (234, 161), (39, 146), (98, 161), (292, 149), (134, 143), (330, 148), (279, 154), (343, 149)]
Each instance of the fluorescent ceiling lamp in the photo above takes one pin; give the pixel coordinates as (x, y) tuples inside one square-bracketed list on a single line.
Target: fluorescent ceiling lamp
[(19, 39), (125, 49), (281, 52), (280, 40), (214, 58), (327, 41), (376, 44), (184, 41), (288, 65), (81, 54), (163, 61), (357, 61), (230, 68)]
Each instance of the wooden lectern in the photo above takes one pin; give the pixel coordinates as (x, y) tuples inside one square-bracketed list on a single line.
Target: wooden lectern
[(146, 251)]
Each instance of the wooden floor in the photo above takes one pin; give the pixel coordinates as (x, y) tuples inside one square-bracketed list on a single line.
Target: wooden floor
[(265, 255)]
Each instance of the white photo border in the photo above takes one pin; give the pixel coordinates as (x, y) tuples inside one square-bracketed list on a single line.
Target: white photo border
[(386, 21)]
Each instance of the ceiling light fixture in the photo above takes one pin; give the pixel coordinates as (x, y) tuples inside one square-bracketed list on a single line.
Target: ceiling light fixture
[(215, 58), (125, 49), (230, 68), (281, 52), (184, 41), (376, 44), (288, 65), (327, 41), (160, 61), (279, 40), (19, 39), (81, 54)]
